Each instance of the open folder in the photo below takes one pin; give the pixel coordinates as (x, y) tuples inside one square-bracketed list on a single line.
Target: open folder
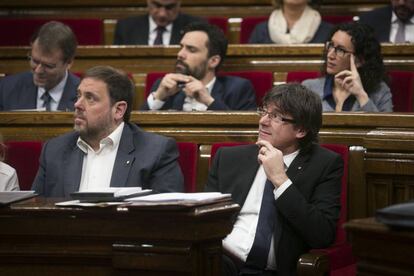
[(14, 196)]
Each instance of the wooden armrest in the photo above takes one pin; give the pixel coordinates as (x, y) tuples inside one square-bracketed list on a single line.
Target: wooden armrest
[(315, 264)]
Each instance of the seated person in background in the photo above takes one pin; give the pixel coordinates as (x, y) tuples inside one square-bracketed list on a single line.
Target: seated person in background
[(161, 26), (354, 72), (105, 150), (292, 22), (287, 185), (8, 176), (194, 85), (393, 23), (49, 85)]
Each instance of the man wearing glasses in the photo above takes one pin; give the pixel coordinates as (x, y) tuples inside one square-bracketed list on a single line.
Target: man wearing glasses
[(49, 85), (353, 72), (287, 185), (161, 26)]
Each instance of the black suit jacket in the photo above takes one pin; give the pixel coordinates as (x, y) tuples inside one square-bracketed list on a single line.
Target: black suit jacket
[(229, 93), (135, 30), (380, 20), (19, 92), (143, 160), (307, 211)]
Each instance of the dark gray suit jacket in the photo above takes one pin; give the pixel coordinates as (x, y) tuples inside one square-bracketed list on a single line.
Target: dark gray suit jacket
[(229, 93), (380, 20), (143, 160), (19, 92), (135, 30), (307, 211)]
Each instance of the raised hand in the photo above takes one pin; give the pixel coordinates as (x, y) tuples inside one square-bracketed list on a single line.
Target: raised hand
[(272, 160), (169, 85)]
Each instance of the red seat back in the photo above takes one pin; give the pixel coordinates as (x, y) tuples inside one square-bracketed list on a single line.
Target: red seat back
[(247, 26), (188, 163), (261, 81), (337, 19), (220, 22), (402, 89), (23, 156), (299, 76), (18, 31)]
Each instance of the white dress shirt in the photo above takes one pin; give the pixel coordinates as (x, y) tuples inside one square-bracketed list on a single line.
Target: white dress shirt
[(56, 94), (8, 178), (240, 240), (409, 29), (190, 104), (152, 34), (98, 165)]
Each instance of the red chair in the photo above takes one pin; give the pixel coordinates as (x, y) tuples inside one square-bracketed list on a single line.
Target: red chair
[(247, 26), (402, 89), (221, 22), (18, 32), (337, 19), (336, 260), (188, 163), (261, 81), (299, 76), (23, 156)]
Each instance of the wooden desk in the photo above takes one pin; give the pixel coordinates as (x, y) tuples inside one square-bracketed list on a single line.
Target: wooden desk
[(37, 238), (380, 250)]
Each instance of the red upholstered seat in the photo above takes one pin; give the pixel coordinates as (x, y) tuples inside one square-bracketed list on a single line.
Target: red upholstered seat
[(261, 81), (299, 76), (339, 255), (220, 22), (247, 26), (337, 19), (18, 31), (23, 156), (188, 163), (402, 89)]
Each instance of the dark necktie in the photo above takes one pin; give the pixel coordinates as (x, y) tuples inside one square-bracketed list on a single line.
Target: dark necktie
[(257, 259), (46, 100), (400, 36), (158, 38)]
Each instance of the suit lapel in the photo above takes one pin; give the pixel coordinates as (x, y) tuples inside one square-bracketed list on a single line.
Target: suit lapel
[(178, 101), (297, 166), (217, 90), (73, 169), (124, 158), (69, 94)]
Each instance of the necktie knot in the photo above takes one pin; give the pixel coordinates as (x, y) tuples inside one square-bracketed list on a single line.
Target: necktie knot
[(46, 100), (158, 39)]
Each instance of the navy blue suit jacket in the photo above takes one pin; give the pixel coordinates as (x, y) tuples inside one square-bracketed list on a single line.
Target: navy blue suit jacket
[(143, 160), (135, 30), (380, 20), (307, 211), (229, 93), (19, 92), (260, 34)]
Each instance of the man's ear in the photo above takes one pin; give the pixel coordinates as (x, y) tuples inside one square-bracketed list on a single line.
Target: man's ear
[(214, 61), (119, 110), (359, 61), (69, 64), (300, 133)]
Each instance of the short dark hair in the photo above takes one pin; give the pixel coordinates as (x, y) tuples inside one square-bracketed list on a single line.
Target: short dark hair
[(119, 85), (367, 49), (303, 105), (56, 35), (217, 41)]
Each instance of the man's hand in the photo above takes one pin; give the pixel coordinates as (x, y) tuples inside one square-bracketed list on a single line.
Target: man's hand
[(272, 160), (169, 85), (197, 90)]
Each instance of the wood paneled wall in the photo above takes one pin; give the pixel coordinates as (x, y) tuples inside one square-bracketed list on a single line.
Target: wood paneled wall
[(381, 165)]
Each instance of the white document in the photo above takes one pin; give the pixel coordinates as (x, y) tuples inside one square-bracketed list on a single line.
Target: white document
[(185, 197)]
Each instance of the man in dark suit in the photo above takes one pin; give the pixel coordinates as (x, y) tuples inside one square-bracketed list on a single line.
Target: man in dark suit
[(161, 26), (105, 150), (49, 85), (393, 23), (195, 85), (288, 187)]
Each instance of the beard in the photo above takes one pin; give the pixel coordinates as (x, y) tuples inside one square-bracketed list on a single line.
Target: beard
[(403, 12), (96, 132), (197, 72)]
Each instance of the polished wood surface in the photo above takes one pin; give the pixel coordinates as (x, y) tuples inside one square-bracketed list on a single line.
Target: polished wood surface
[(38, 238), (381, 250), (381, 165)]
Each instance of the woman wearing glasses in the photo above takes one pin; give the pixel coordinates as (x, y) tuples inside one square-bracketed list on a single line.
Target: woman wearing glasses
[(353, 72), (292, 22)]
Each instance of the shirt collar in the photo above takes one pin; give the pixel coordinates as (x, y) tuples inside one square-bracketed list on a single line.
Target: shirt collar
[(112, 140), (210, 85), (153, 26), (56, 91), (288, 159)]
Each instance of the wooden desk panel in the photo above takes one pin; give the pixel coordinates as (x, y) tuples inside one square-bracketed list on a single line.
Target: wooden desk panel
[(37, 238)]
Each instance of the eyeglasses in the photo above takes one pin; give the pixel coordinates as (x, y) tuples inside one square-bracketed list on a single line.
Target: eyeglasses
[(339, 51), (47, 66), (158, 5), (274, 116)]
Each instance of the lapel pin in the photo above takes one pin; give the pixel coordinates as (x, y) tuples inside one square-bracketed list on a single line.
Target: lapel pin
[(127, 162), (299, 168)]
